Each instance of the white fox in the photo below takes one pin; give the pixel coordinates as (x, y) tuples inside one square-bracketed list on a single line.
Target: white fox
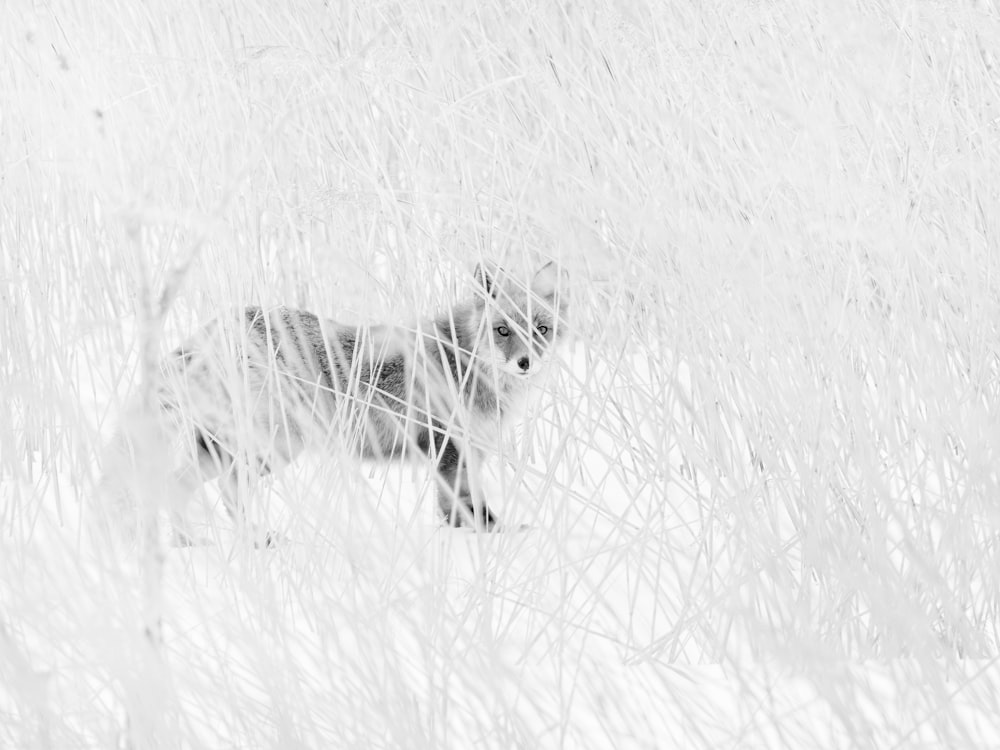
[(249, 394)]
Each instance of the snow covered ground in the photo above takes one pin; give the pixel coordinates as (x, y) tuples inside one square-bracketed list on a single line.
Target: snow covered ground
[(608, 622)]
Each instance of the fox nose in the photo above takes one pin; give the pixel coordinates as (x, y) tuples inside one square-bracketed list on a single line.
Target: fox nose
[(524, 363)]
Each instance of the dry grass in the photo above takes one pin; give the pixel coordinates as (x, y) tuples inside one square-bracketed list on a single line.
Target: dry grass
[(763, 488)]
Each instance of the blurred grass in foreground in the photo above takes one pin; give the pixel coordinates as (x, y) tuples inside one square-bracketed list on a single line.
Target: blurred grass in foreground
[(773, 447)]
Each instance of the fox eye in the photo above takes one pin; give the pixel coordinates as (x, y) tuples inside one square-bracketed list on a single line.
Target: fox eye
[(543, 329), (503, 330)]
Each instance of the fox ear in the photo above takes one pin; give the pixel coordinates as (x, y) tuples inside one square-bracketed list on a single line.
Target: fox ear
[(484, 276), (549, 280)]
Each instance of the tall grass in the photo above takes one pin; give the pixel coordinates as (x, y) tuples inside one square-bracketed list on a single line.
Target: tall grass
[(762, 488)]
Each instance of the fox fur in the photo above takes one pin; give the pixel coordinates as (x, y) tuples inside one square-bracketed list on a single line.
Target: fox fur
[(249, 394)]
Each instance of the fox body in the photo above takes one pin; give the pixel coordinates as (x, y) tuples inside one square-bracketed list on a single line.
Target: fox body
[(248, 395)]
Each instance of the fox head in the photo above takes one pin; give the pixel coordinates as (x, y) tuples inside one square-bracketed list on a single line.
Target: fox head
[(521, 322)]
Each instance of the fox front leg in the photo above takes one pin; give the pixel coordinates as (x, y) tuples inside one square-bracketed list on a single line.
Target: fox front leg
[(455, 498)]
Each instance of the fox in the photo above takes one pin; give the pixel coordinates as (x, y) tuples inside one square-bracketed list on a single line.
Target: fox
[(248, 393)]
